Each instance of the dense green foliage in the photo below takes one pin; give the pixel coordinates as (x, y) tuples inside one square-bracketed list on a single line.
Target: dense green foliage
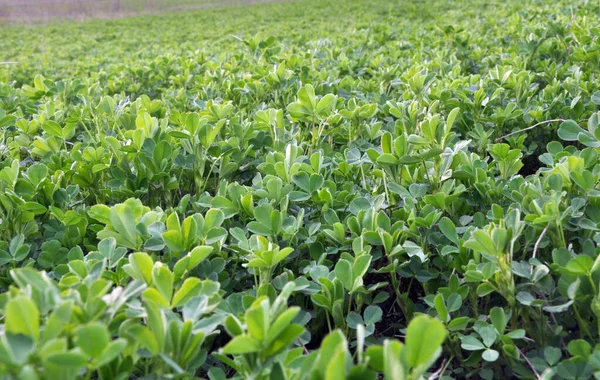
[(308, 190)]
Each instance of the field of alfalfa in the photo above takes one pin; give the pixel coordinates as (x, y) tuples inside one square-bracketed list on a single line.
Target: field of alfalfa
[(342, 189)]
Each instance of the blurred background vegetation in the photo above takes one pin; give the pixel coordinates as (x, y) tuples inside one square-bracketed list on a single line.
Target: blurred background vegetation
[(30, 11)]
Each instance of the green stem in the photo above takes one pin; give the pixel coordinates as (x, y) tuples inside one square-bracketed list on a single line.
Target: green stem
[(399, 301), (582, 324), (387, 194), (561, 234), (589, 276), (349, 305), (348, 313), (474, 303), (427, 173)]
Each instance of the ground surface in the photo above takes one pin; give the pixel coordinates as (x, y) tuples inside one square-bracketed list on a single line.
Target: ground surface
[(307, 190), (37, 11)]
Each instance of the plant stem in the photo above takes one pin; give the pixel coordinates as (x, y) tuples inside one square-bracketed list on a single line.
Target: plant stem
[(589, 276), (348, 313), (582, 323), (528, 128)]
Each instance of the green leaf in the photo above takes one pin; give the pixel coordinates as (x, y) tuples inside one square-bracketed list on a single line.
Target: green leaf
[(458, 324), (190, 288), (173, 223), (215, 234), (325, 103), (260, 229), (281, 255), (57, 321), (173, 240), (306, 96), (488, 334), (498, 318), (281, 323), (257, 320), (144, 337), (490, 355), (285, 339), (171, 363), (449, 230), (360, 266), (142, 266), (372, 315), (375, 357), (52, 128), (162, 280), (454, 302), (451, 117), (484, 289), (387, 159), (302, 180), (22, 317), (516, 334), (333, 342), (580, 348), (37, 173), (580, 265), (92, 339), (393, 369), (470, 343), (552, 355), (321, 300), (156, 322), (16, 348), (5, 257), (113, 350), (569, 130), (7, 120), (16, 243), (343, 272), (198, 254), (336, 368), (72, 359), (101, 213), (298, 111), (481, 241), (242, 344), (123, 221), (315, 182), (424, 337), (233, 326), (440, 307)]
